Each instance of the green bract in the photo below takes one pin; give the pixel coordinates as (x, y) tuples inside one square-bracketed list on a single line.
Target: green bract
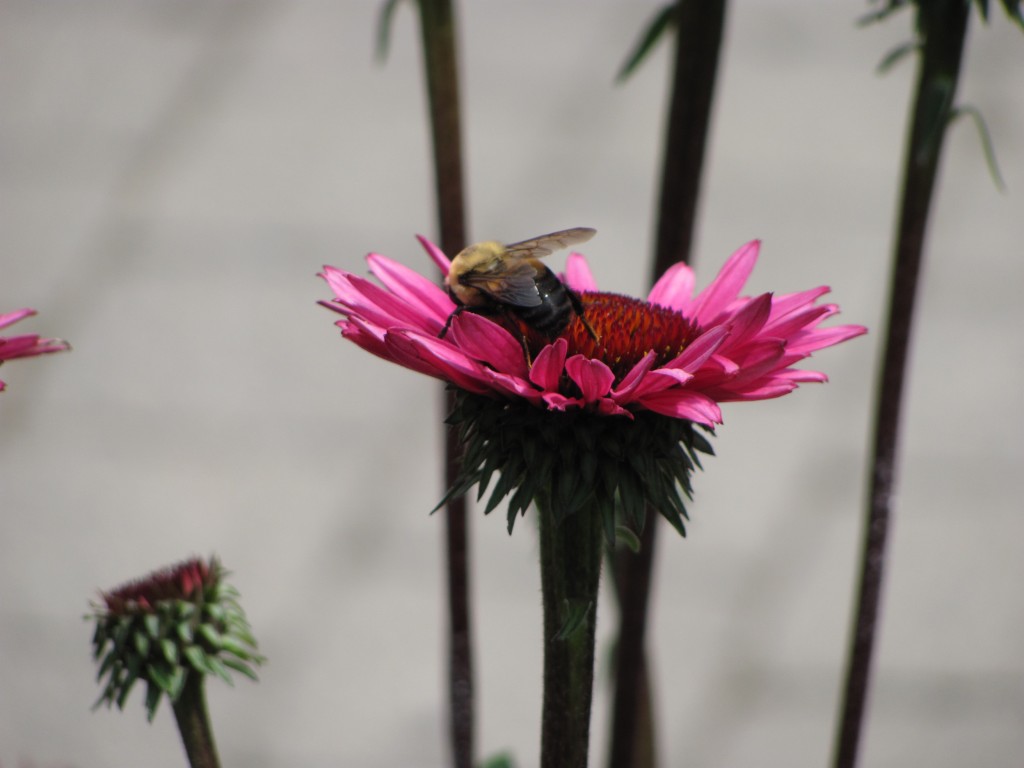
[(577, 459)]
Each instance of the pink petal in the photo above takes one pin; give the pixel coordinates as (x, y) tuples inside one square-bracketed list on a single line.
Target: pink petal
[(759, 358), (765, 392), (512, 386), (436, 254), (684, 404), (577, 273), (547, 368), (488, 342), (724, 364), (636, 374), (559, 402), (674, 289), (361, 327), (446, 361), (785, 303), (359, 296), (391, 310), (593, 377), (727, 284), (10, 318), (649, 385), (819, 338), (700, 349), (785, 326), (746, 324), (411, 287), (675, 375), (30, 345), (606, 406), (800, 375)]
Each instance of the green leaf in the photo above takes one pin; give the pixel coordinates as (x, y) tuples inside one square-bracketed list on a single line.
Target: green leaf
[(242, 667), (675, 519), (522, 498), (510, 520), (100, 637), (663, 20), (1013, 10), (701, 443), (220, 670), (576, 618), (216, 611), (122, 631), (241, 633), (126, 688), (210, 635), (897, 55), (161, 676), (185, 633), (505, 484), (387, 14), (231, 645), (141, 644), (501, 760), (153, 694), (152, 624), (197, 658), (169, 649), (625, 537), (986, 142), (883, 13), (109, 661), (178, 677)]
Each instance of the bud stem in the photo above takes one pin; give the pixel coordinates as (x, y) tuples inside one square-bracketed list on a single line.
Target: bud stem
[(194, 724)]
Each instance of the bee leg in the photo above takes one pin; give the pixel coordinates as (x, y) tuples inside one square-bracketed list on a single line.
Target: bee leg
[(526, 352), (577, 307), (448, 323)]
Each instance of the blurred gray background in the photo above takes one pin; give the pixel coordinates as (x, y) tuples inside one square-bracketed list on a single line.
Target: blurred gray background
[(173, 173)]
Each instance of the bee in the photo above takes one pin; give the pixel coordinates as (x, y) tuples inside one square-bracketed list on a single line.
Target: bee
[(489, 277)]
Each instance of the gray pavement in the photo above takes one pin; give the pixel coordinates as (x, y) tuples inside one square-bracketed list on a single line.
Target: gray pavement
[(174, 173)]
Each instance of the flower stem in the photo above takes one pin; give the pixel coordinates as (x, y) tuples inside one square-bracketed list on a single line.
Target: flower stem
[(570, 568), (437, 25), (943, 27), (194, 724), (632, 707), (698, 42)]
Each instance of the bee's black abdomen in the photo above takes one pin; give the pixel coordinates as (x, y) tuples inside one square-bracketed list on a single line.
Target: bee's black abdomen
[(555, 310)]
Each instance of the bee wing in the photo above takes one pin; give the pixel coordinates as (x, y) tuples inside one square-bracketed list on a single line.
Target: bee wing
[(539, 247), (513, 283)]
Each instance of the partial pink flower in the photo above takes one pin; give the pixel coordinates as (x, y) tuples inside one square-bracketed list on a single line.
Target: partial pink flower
[(28, 345), (678, 354)]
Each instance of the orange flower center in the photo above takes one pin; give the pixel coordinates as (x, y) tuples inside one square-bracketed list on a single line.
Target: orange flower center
[(627, 329)]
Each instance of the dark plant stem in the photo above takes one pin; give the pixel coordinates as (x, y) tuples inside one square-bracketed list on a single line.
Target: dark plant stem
[(698, 42), (570, 570), (441, 63), (632, 705), (194, 724), (942, 26)]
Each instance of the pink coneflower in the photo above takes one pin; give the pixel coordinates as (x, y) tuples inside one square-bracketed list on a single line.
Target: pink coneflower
[(675, 354), (668, 361), (28, 345)]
